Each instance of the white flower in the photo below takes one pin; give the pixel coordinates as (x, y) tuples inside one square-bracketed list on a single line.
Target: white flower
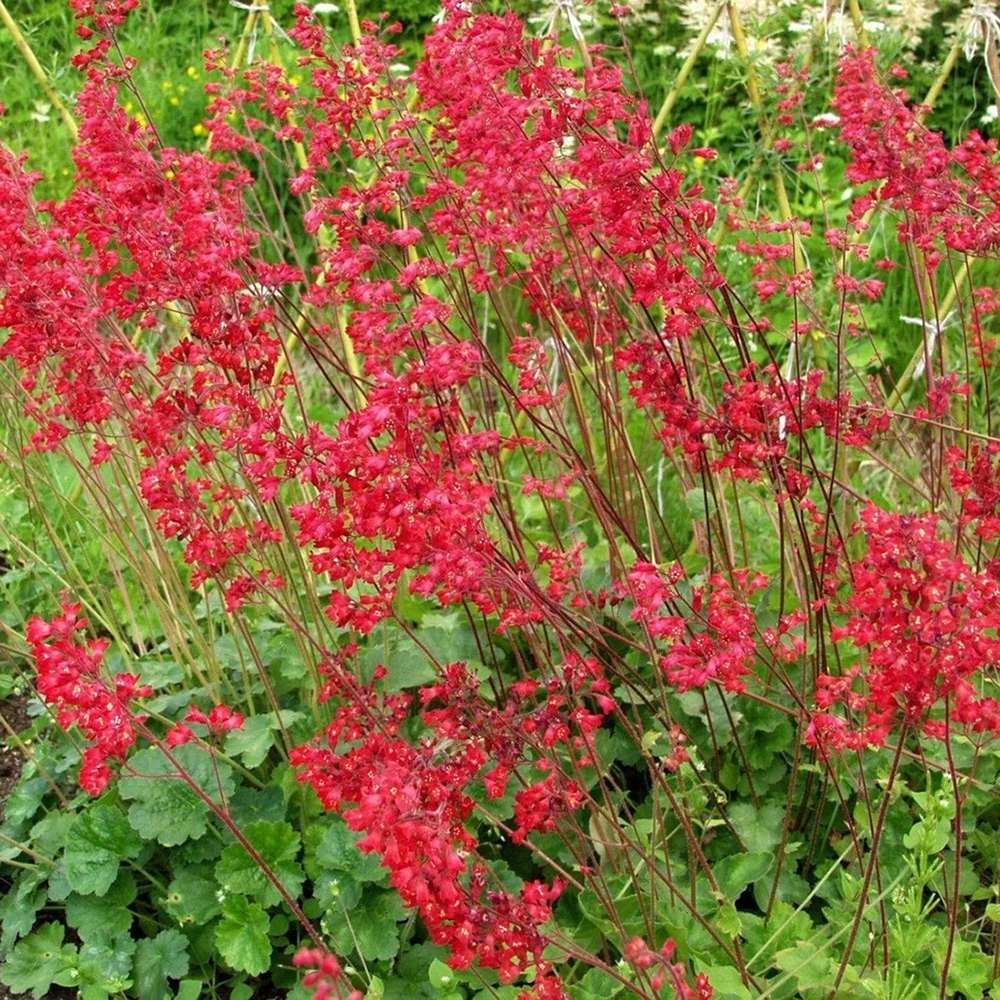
[(981, 26), (752, 13), (910, 18)]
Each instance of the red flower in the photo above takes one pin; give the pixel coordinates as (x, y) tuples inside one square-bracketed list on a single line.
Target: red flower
[(69, 678)]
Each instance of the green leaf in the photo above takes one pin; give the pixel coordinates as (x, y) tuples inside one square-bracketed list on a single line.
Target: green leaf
[(192, 896), (101, 918), (370, 927), (20, 905), (39, 961), (48, 835), (726, 982), (759, 829), (336, 890), (98, 841), (413, 966), (738, 871), (628, 911), (598, 985), (728, 919), (613, 744), (970, 969), (196, 851), (25, 800), (441, 975), (928, 836), (785, 929), (241, 936), (720, 715), (164, 807), (157, 960), (338, 852), (255, 738), (807, 965), (189, 989), (251, 805), (105, 968), (278, 845), (408, 666), (161, 673)]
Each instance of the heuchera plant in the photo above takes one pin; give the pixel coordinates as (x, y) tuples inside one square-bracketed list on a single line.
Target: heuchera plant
[(507, 287)]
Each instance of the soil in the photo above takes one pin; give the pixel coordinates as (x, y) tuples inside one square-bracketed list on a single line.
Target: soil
[(15, 713)]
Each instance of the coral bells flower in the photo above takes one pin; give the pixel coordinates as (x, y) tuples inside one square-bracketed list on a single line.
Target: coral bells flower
[(978, 483), (663, 971), (179, 735), (69, 679), (221, 719), (942, 196), (725, 650), (411, 806), (326, 979), (926, 624), (539, 806)]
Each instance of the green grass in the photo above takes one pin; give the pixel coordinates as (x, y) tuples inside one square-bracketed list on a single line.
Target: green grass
[(167, 38)]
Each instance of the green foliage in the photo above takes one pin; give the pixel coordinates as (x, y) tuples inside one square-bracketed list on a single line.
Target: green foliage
[(162, 805), (251, 744), (370, 927), (39, 961), (134, 892), (96, 843), (242, 936), (104, 969), (101, 918), (192, 896), (278, 845), (158, 960)]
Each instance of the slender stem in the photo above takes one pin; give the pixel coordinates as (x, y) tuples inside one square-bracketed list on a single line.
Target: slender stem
[(859, 23), (352, 18), (946, 67), (953, 906), (241, 49), (224, 816), (41, 858), (685, 71), (21, 43), (873, 861), (919, 355)]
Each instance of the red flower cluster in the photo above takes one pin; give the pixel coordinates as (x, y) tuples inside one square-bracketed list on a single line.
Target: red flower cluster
[(69, 678), (326, 978), (724, 651), (148, 317), (667, 972), (411, 806), (946, 198), (977, 481), (412, 802), (927, 625), (220, 720)]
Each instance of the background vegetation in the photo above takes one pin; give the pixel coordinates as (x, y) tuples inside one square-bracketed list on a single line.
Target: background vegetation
[(143, 893)]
